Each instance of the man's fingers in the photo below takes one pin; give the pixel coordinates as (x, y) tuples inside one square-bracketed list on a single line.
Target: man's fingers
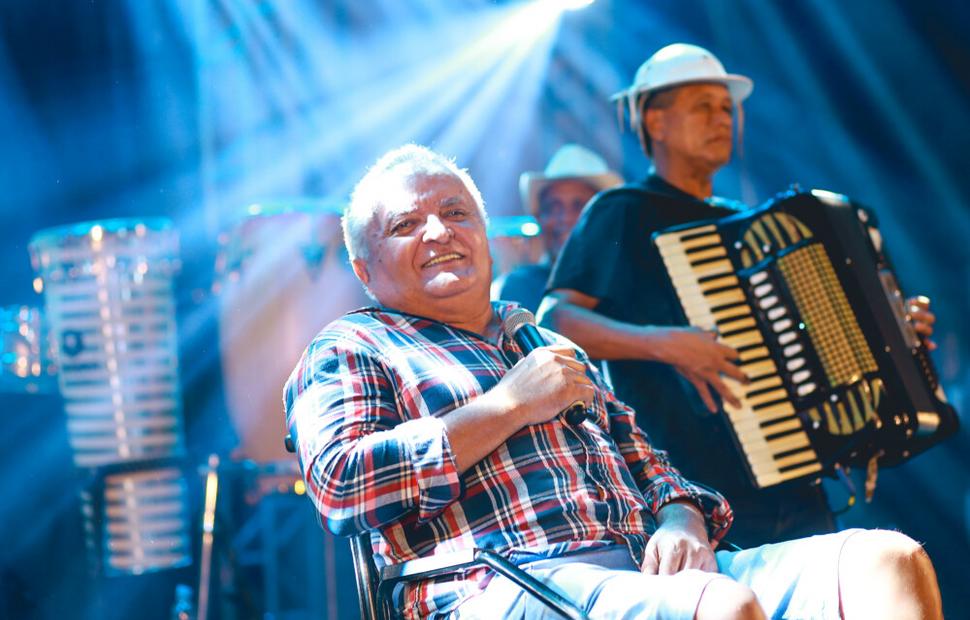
[(724, 391), (701, 386), (671, 561), (650, 565), (727, 352), (732, 370), (560, 349), (588, 395), (703, 559), (920, 301), (922, 316)]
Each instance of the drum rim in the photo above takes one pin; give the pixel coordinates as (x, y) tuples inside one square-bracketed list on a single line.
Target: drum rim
[(276, 207), (48, 236)]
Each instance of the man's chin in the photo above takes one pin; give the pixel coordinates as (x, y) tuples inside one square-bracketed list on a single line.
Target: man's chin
[(455, 287), (446, 284), (720, 152)]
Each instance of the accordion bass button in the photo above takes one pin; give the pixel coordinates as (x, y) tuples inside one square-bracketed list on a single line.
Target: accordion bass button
[(782, 325), (806, 389), (763, 289), (777, 313), (768, 302)]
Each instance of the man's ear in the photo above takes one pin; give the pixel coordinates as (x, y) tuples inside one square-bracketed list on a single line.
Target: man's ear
[(360, 270), (653, 124)]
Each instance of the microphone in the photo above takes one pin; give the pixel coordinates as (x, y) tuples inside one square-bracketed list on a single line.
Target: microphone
[(520, 326)]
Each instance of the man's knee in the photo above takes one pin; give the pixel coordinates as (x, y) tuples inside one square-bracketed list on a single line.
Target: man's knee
[(890, 572), (874, 552), (725, 599)]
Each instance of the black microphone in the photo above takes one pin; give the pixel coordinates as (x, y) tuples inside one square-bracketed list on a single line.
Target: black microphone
[(520, 326)]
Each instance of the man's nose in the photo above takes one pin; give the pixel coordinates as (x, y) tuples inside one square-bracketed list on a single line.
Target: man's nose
[(435, 229)]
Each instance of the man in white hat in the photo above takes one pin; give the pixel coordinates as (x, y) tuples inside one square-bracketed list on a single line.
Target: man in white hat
[(555, 197), (608, 291)]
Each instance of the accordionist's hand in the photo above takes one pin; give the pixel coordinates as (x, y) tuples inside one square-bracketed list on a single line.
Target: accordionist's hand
[(702, 360), (919, 314)]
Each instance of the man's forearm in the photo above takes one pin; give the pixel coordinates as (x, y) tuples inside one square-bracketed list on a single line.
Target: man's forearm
[(600, 336), (478, 428)]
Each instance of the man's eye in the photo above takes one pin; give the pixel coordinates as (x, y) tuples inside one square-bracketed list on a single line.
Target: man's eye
[(402, 226), (456, 212)]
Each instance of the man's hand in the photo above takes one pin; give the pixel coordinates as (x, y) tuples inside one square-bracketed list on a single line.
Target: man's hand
[(544, 383), (679, 543), (535, 390), (701, 359), (919, 314)]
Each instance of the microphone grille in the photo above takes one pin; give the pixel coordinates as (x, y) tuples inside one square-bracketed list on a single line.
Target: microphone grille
[(516, 319)]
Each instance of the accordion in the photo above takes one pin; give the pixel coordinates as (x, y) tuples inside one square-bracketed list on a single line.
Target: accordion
[(803, 290)]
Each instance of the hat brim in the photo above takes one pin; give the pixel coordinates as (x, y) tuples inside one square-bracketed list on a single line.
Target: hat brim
[(531, 185), (739, 86)]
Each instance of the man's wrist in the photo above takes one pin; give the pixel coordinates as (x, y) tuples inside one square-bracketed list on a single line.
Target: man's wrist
[(652, 340), (681, 511), (500, 403)]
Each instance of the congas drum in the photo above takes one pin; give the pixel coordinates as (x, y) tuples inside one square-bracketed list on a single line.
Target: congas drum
[(138, 520), (514, 240), (283, 274), (26, 353), (108, 299)]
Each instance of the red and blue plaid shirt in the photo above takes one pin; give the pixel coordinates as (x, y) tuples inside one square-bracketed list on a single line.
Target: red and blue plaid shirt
[(364, 406)]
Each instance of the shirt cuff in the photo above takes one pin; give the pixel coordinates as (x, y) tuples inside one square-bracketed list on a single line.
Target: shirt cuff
[(718, 515), (434, 467)]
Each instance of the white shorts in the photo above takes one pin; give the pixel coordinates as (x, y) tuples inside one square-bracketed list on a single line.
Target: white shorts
[(796, 579)]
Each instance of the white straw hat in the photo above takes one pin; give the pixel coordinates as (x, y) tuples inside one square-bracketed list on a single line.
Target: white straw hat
[(571, 161), (682, 63)]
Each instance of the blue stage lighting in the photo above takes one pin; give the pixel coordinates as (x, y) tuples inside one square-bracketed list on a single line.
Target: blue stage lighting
[(567, 5)]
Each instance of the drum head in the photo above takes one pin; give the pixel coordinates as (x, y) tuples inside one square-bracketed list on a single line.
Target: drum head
[(284, 276)]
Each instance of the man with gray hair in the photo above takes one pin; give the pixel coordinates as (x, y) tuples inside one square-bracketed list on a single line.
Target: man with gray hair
[(423, 423)]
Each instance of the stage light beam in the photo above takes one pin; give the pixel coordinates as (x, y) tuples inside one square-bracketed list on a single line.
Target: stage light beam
[(566, 5)]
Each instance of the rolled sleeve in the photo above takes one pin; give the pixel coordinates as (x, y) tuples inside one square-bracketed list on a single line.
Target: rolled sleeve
[(364, 465), (435, 470)]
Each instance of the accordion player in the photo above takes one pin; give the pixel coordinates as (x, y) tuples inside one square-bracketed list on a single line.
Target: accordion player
[(803, 289)]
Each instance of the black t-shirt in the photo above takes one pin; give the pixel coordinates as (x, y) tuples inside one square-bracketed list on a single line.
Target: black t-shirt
[(524, 284), (610, 256)]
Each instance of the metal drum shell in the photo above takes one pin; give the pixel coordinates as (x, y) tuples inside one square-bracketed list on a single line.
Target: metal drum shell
[(109, 301), (283, 274)]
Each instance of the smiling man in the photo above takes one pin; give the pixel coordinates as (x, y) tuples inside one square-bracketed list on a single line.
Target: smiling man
[(421, 422)]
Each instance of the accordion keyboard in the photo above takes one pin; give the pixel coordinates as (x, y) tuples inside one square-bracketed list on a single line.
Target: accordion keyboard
[(770, 434), (803, 290)]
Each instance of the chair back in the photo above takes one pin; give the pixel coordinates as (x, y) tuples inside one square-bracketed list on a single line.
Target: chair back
[(367, 576)]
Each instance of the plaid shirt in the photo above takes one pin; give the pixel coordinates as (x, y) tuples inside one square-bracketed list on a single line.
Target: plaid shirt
[(364, 406)]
